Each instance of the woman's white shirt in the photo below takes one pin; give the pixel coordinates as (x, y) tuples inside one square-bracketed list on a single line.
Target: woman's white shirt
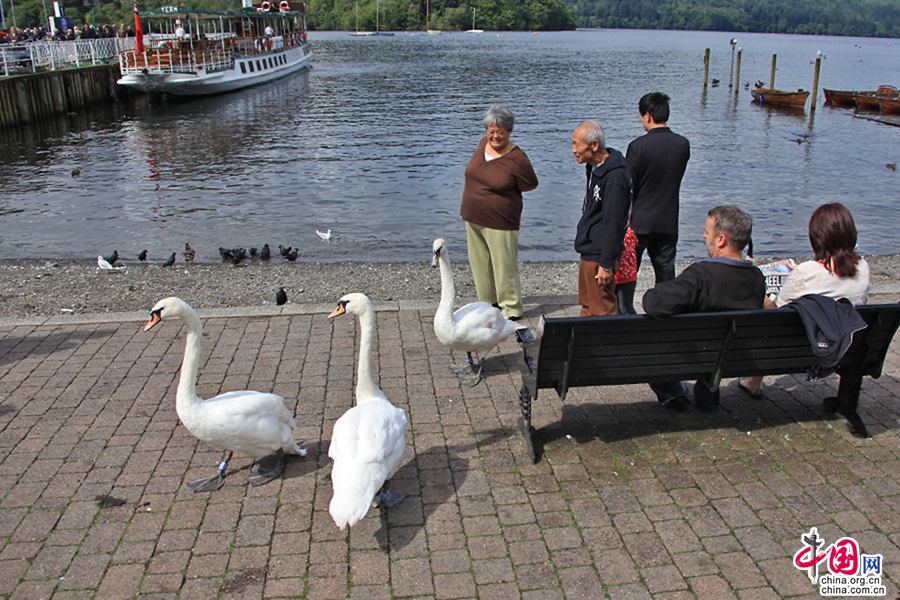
[(811, 277)]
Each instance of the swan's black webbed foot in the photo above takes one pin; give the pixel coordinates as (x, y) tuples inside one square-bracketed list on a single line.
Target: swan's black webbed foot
[(464, 370), (388, 498), (474, 379), (208, 484), (211, 484), (268, 469)]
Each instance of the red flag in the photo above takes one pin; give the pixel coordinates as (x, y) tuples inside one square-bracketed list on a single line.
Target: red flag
[(138, 31)]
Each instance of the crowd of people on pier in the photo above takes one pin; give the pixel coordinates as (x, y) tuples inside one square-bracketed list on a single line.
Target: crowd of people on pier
[(631, 205), (25, 35)]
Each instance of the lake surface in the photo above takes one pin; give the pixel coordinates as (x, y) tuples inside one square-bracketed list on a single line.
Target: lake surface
[(373, 141)]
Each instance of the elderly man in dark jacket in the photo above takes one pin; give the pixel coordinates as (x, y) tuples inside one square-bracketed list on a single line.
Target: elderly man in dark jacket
[(604, 216), (724, 281)]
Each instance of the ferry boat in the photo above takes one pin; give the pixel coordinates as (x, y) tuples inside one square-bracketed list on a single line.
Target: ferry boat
[(195, 52)]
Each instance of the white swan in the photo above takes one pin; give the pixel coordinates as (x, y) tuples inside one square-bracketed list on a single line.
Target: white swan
[(369, 440), (254, 423), (476, 327)]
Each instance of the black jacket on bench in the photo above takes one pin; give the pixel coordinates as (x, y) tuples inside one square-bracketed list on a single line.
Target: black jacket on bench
[(708, 285)]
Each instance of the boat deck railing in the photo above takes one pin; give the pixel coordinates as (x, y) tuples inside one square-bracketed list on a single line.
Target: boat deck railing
[(172, 57), (170, 60)]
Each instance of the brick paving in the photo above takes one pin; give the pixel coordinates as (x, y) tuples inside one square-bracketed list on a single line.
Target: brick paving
[(629, 500)]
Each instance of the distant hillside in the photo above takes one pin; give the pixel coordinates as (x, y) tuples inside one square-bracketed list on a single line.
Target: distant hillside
[(870, 18)]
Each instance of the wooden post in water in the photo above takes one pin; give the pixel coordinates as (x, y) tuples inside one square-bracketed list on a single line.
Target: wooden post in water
[(815, 90), (706, 68), (772, 76), (737, 75)]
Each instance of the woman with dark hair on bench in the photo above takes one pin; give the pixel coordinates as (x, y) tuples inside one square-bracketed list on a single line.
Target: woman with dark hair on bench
[(836, 272)]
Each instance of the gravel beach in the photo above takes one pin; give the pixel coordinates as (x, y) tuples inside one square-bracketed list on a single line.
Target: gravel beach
[(47, 288)]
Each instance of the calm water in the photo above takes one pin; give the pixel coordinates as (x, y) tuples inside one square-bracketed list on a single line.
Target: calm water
[(373, 141)]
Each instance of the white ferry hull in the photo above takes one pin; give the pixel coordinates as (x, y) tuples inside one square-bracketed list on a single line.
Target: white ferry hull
[(202, 83)]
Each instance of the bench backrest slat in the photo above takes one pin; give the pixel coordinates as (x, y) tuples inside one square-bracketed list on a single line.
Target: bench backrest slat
[(638, 349)]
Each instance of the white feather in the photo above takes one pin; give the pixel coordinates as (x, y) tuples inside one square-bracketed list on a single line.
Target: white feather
[(324, 236), (369, 440), (475, 327), (255, 423), (104, 264)]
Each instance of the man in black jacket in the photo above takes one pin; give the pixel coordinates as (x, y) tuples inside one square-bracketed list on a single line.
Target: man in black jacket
[(600, 236), (724, 281), (657, 161)]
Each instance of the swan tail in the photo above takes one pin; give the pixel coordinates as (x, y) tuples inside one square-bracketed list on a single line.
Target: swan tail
[(292, 447), (354, 490)]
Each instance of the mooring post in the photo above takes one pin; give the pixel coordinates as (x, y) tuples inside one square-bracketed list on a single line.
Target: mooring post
[(706, 68), (815, 90), (772, 76), (737, 75)]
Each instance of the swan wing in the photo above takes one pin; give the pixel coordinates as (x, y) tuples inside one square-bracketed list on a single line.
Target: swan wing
[(254, 423), (368, 432), (480, 326), (247, 403), (367, 444)]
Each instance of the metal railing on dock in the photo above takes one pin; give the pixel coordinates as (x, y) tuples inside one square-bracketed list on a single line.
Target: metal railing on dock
[(32, 57)]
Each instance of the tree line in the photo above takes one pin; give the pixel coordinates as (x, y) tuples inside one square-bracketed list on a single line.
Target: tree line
[(870, 18), (451, 15)]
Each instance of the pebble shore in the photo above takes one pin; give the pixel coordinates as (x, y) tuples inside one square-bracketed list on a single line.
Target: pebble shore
[(48, 288)]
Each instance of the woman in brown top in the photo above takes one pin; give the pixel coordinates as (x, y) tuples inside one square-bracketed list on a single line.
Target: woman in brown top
[(496, 176)]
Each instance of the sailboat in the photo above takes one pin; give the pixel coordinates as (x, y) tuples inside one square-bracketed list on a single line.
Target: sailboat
[(473, 30), (427, 11), (358, 32), (377, 26)]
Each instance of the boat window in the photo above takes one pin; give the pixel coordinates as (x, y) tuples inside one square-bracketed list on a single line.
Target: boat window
[(251, 66), (271, 64), (243, 68), (258, 67)]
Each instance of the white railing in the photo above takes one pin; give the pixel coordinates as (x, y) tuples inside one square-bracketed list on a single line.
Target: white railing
[(16, 58), (167, 60)]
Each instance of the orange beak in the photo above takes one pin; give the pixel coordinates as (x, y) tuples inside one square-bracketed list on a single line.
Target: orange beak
[(154, 319), (340, 310)]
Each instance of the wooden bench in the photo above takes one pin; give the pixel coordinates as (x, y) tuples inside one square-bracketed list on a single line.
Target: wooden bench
[(592, 351)]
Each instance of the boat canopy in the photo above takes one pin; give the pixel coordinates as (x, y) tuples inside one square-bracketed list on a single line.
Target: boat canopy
[(169, 11)]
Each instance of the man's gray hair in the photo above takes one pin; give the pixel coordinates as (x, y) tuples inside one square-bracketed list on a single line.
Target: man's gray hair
[(734, 223), (498, 115), (593, 133)]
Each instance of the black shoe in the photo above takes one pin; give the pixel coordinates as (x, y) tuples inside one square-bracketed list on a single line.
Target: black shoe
[(516, 318), (706, 400), (679, 403)]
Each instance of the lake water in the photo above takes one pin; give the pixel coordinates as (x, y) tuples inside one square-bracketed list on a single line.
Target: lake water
[(372, 143)]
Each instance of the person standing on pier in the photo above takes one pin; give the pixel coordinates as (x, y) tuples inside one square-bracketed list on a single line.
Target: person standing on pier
[(657, 161), (496, 176), (600, 235)]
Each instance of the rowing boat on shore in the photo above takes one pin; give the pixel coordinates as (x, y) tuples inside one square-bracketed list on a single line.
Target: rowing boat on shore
[(198, 52), (779, 97)]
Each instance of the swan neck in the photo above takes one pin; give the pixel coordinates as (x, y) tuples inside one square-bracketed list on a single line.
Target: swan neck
[(448, 292), (365, 385), (187, 385)]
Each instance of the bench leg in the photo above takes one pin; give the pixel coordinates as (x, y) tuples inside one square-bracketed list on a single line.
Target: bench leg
[(525, 422), (847, 402)]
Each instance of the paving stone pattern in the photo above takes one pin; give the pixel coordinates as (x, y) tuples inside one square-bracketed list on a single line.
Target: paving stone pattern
[(629, 501)]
